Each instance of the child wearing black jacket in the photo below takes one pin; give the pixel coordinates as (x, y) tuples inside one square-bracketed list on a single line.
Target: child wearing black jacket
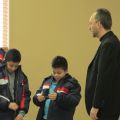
[(59, 93), (14, 88)]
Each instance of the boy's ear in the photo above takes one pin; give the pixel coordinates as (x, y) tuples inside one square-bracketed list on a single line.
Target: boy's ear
[(66, 71)]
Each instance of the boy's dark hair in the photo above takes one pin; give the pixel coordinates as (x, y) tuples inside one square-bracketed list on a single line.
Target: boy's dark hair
[(104, 16), (60, 62), (13, 55)]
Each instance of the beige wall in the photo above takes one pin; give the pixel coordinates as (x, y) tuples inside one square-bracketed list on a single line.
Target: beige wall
[(42, 29)]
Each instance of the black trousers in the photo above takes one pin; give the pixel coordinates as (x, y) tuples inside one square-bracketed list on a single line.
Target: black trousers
[(113, 118)]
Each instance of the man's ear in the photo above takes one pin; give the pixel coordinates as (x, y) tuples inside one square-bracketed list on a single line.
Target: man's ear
[(100, 25)]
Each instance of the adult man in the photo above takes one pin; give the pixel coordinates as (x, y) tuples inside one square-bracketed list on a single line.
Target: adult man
[(103, 80)]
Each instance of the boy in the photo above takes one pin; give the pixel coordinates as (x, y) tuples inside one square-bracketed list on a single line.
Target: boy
[(59, 93), (3, 50), (14, 88)]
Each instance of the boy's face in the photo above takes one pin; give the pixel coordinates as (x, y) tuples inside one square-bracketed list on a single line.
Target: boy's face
[(59, 73), (12, 66)]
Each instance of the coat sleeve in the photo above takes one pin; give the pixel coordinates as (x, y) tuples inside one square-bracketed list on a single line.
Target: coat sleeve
[(71, 99), (4, 103), (106, 70), (35, 97)]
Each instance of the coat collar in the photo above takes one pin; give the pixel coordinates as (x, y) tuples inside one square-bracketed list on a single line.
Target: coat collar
[(110, 33)]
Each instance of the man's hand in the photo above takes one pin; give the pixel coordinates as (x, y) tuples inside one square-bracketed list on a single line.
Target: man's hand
[(93, 113), (41, 98), (13, 106), (53, 96), (19, 117)]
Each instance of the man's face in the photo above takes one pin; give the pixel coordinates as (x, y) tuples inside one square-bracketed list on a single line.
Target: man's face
[(12, 66), (94, 26), (58, 73)]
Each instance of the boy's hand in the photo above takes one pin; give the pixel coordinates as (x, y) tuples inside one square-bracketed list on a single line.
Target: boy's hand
[(41, 98), (53, 96), (19, 117), (13, 106)]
